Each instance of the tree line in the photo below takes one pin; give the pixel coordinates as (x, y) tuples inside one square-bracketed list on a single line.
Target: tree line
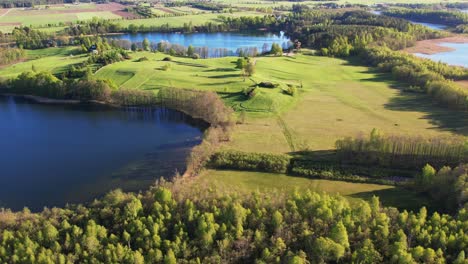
[(10, 55), (171, 224), (47, 85), (399, 151), (422, 75), (445, 17)]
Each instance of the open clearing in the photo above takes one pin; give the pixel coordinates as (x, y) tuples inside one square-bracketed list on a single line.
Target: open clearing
[(244, 181)]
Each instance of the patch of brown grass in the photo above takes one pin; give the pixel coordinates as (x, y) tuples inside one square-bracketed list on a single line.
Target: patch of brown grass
[(432, 46)]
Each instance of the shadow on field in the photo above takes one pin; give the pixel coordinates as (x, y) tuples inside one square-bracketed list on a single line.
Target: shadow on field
[(217, 84), (403, 199), (223, 76), (190, 64), (221, 70), (440, 117)]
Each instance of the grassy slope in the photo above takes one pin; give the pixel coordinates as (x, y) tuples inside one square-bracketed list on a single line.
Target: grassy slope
[(264, 182), (337, 99), (52, 59)]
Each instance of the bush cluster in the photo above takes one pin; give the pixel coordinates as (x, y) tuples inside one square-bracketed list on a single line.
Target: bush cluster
[(250, 161)]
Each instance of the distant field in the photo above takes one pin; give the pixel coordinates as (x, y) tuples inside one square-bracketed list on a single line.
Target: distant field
[(55, 60), (244, 181), (41, 16), (341, 2), (178, 21)]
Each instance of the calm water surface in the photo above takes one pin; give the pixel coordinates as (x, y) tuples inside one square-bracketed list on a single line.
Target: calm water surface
[(52, 155), (429, 25), (458, 57), (230, 41)]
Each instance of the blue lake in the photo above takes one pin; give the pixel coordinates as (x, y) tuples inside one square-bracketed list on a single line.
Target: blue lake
[(230, 42), (53, 155), (429, 25), (458, 57)]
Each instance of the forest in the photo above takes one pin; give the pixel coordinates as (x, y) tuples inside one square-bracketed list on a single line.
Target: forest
[(175, 225), (445, 17)]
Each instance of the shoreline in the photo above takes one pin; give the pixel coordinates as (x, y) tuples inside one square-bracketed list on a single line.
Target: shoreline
[(432, 46), (51, 101)]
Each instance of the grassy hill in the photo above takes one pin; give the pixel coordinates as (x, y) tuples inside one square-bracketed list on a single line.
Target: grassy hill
[(338, 99)]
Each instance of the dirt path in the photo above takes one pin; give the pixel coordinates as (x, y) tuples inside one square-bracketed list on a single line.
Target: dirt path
[(5, 13)]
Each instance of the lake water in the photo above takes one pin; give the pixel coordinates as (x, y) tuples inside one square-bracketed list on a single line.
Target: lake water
[(429, 25), (52, 155), (230, 42), (458, 57)]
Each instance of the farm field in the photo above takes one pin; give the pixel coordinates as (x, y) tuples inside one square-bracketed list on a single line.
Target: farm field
[(42, 17), (178, 21), (352, 100), (248, 182), (55, 60), (261, 3)]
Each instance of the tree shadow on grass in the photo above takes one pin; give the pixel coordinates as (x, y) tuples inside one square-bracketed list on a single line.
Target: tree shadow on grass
[(221, 70), (190, 64), (440, 117), (403, 199), (217, 84), (223, 76)]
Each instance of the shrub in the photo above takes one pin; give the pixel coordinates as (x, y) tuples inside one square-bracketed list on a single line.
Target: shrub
[(166, 67), (237, 160), (268, 85), (142, 59), (167, 59), (290, 90)]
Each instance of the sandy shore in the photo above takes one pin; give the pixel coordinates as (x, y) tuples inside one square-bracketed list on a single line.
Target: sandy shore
[(432, 46)]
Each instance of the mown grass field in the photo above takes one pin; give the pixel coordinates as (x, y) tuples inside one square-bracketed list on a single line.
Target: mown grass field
[(247, 182), (338, 99), (55, 60)]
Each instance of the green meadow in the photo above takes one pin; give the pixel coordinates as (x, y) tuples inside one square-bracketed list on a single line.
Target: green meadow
[(337, 99), (248, 182), (55, 60)]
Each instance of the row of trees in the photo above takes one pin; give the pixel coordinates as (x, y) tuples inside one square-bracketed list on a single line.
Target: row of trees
[(205, 105), (398, 151), (10, 55), (445, 17), (47, 85), (422, 74), (174, 224)]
